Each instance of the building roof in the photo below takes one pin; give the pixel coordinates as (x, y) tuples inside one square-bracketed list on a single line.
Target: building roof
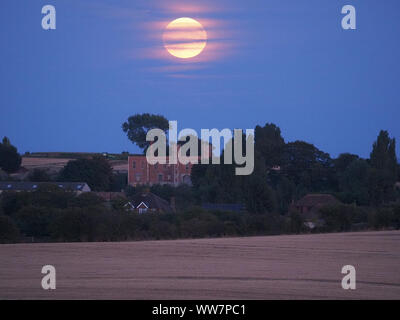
[(313, 200), (32, 186), (151, 201)]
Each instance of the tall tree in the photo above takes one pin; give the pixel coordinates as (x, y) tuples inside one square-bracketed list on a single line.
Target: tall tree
[(10, 160), (383, 174), (138, 125), (39, 175), (344, 160), (307, 166), (270, 144), (383, 155), (353, 182)]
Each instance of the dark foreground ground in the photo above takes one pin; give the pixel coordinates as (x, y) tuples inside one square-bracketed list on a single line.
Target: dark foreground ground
[(278, 267)]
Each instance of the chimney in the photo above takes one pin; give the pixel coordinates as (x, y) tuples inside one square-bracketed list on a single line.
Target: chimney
[(173, 207)]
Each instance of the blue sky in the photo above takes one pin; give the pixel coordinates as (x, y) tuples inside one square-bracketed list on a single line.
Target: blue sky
[(288, 62)]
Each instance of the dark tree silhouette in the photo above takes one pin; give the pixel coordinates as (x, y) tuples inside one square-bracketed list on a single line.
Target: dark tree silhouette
[(137, 126), (10, 160)]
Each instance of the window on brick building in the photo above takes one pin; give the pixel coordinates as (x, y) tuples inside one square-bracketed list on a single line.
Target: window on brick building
[(160, 176), (133, 164)]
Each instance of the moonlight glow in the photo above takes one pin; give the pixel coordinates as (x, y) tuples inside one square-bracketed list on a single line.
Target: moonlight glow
[(185, 38)]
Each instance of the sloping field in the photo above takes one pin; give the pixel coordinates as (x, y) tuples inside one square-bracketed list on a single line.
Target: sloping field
[(33, 163), (278, 267)]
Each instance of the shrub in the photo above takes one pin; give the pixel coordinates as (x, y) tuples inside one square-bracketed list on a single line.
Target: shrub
[(341, 217), (9, 232), (34, 221)]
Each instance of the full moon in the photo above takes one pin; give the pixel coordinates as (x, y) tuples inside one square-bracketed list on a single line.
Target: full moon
[(185, 38)]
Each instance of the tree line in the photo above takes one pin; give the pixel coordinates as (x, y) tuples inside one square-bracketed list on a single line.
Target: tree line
[(284, 172)]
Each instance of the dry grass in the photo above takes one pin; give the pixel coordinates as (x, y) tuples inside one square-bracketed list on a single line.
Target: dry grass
[(279, 267)]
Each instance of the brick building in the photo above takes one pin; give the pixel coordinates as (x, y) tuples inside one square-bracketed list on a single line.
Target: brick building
[(140, 172)]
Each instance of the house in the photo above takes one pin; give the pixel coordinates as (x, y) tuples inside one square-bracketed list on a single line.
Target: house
[(232, 207), (140, 172), (17, 186), (309, 206), (148, 202)]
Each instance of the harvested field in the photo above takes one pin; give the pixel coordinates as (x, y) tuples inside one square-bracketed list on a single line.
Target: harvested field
[(56, 164), (276, 267), (33, 163)]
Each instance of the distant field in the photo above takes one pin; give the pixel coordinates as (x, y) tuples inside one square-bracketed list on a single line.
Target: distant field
[(57, 164), (277, 267), (76, 155), (32, 163)]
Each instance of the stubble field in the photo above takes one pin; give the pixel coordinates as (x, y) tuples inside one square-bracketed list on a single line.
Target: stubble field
[(276, 267)]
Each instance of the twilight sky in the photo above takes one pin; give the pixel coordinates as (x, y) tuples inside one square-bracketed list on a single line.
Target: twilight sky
[(284, 61)]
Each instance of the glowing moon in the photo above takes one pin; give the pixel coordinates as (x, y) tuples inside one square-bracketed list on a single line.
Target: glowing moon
[(185, 38)]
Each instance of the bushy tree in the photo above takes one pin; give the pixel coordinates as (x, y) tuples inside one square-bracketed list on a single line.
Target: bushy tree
[(337, 218), (119, 182), (344, 160), (138, 125), (9, 232), (306, 165), (10, 160), (382, 218), (295, 222), (11, 202), (96, 172), (50, 196), (34, 221), (94, 223), (86, 199), (39, 175)]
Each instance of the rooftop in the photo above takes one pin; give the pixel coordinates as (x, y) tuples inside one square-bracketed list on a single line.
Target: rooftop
[(151, 200), (32, 186)]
